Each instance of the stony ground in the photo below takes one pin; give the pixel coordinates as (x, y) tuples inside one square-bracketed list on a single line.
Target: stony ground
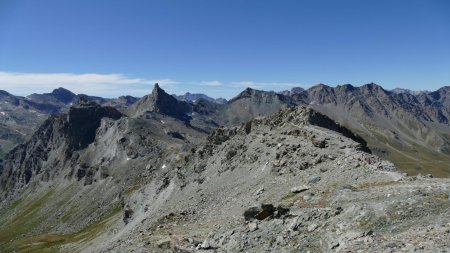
[(284, 184)]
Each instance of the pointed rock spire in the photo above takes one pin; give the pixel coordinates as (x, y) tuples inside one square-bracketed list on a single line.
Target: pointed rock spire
[(161, 102), (157, 89)]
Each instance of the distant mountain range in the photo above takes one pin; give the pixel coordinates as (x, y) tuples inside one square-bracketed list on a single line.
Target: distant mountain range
[(193, 97), (412, 92), (409, 128)]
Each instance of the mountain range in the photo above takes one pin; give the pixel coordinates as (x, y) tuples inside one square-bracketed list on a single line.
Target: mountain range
[(265, 171), (408, 128)]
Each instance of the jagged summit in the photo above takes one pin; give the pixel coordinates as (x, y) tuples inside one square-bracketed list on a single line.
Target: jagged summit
[(59, 96), (195, 97), (63, 95), (248, 92), (373, 87), (260, 96), (319, 86), (346, 87), (161, 102), (157, 90), (409, 92)]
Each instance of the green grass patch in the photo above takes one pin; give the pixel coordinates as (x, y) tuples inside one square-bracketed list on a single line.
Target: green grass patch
[(412, 160), (49, 242), (25, 224), (25, 218), (52, 242)]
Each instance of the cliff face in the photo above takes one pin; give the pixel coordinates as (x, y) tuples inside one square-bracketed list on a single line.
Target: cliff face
[(53, 144)]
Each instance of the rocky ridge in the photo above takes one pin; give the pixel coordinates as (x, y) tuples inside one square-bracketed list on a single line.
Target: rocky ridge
[(312, 190), (194, 97)]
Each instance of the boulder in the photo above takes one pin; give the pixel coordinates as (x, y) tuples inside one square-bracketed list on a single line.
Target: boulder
[(298, 189)]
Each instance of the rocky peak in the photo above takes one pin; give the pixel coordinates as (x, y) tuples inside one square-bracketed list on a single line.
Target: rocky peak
[(194, 97), (157, 91), (297, 90), (261, 96), (161, 102), (373, 87), (444, 91), (321, 89), (346, 87), (293, 91), (63, 95), (322, 94), (320, 86), (245, 94)]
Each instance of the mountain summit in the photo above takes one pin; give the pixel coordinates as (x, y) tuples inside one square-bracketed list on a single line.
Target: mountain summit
[(64, 95), (161, 102)]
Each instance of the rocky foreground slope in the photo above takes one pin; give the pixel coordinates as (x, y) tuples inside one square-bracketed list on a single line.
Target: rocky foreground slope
[(291, 182)]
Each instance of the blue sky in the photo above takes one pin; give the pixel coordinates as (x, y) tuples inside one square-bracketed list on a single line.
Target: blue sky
[(110, 48)]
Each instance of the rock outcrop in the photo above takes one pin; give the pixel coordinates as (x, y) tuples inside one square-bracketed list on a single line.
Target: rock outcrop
[(53, 144)]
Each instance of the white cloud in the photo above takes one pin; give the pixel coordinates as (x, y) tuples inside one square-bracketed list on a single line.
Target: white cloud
[(108, 85), (211, 83), (164, 82)]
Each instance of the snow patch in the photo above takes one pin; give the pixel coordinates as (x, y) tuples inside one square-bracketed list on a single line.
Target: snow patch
[(162, 121), (3, 113), (164, 166), (128, 158)]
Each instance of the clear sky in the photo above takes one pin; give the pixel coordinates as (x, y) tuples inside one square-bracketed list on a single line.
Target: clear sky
[(112, 47)]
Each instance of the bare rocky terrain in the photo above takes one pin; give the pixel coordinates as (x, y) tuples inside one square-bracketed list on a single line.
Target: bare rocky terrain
[(20, 116), (288, 183), (165, 175)]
